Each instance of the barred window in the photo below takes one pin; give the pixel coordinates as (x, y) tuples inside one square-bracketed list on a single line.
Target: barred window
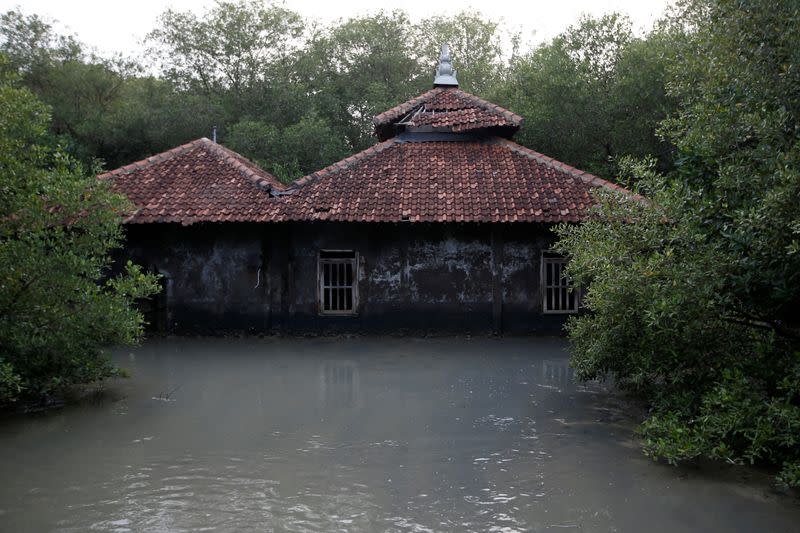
[(558, 293), (338, 282)]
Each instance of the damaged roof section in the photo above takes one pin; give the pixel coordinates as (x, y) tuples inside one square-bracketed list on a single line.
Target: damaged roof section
[(447, 109), (201, 181), (444, 156)]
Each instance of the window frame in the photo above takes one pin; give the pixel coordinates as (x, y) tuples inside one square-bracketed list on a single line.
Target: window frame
[(321, 286), (550, 257)]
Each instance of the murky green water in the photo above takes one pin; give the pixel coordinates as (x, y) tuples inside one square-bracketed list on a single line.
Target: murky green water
[(357, 435)]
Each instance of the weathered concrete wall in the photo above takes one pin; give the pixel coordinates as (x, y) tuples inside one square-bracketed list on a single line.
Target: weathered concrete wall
[(465, 278), (210, 273)]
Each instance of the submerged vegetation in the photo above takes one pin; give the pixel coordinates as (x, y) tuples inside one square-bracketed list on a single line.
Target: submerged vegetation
[(58, 305), (694, 295)]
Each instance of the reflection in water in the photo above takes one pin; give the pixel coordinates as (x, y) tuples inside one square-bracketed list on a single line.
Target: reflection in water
[(339, 383), (557, 372), (324, 435)]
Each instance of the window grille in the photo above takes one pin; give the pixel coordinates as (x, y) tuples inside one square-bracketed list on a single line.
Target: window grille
[(558, 293), (338, 282)]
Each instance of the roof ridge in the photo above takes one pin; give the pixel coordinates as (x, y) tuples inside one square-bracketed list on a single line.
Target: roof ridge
[(258, 176), (584, 176), (152, 160), (345, 163)]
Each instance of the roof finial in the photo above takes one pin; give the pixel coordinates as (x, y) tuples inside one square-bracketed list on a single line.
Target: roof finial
[(445, 74)]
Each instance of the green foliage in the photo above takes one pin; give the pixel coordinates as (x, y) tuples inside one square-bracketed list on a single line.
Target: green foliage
[(359, 68), (30, 45), (146, 117), (329, 83), (694, 294), (235, 63), (298, 149), (101, 108), (363, 66), (249, 68), (230, 48), (10, 382), (57, 227), (475, 40), (593, 95)]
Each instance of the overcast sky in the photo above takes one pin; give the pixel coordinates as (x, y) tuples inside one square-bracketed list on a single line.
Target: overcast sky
[(119, 26)]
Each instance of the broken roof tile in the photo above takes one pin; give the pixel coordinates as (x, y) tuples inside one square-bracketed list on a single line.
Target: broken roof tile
[(447, 109)]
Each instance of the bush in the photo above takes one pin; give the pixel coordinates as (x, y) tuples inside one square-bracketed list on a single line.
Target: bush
[(58, 308), (693, 295), (659, 322)]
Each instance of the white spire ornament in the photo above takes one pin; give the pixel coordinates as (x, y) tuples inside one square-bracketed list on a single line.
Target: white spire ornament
[(445, 74)]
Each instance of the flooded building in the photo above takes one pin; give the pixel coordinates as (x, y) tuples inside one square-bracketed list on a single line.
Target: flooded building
[(444, 225)]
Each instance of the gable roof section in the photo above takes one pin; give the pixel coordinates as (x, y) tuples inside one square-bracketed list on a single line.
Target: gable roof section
[(447, 108), (486, 180), (201, 181)]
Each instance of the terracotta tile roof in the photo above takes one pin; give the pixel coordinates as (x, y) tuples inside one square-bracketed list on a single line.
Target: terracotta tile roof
[(468, 174), (446, 108), (197, 182), (474, 180)]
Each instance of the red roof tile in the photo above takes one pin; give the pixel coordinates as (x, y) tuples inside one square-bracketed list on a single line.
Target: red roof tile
[(446, 108), (478, 180), (468, 174), (197, 182)]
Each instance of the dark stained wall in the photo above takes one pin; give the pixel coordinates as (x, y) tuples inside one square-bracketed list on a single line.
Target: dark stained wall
[(210, 272), (415, 278)]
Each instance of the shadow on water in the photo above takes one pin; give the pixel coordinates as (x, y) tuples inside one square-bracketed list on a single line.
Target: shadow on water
[(95, 395), (365, 434)]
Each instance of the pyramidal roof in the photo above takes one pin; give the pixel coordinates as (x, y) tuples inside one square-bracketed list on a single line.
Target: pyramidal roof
[(447, 109), (200, 181), (444, 156), (489, 180)]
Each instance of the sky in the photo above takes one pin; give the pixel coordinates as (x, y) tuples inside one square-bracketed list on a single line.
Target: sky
[(111, 26)]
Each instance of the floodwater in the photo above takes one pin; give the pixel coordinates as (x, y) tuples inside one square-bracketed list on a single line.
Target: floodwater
[(362, 434)]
